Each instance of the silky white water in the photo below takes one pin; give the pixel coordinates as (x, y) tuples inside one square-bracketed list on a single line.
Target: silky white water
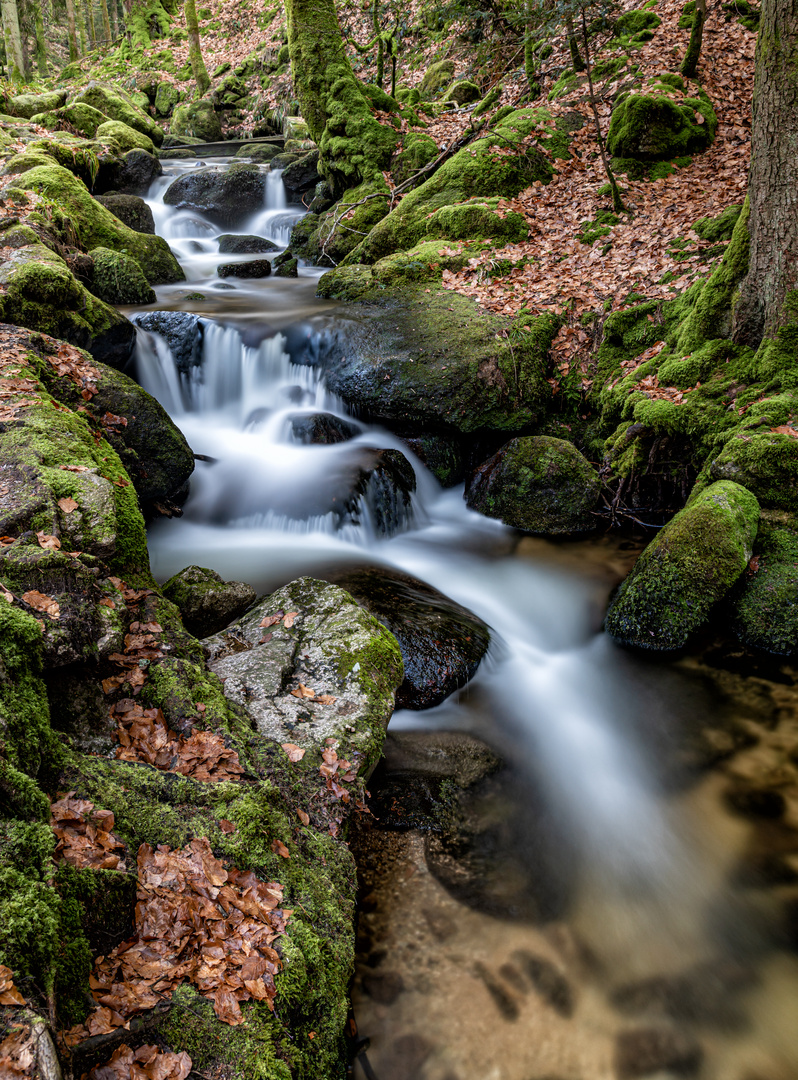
[(552, 693)]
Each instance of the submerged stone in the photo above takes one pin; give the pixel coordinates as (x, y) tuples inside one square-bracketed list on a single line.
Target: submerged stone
[(538, 484), (688, 567), (256, 268), (182, 332), (321, 428)]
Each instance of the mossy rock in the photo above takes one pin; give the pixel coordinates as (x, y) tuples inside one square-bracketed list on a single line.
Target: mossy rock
[(294, 127), (462, 92), (206, 602), (197, 119), (260, 153), (332, 240), (766, 604), (436, 78), (288, 268), (652, 127), (476, 171), (538, 484), (417, 151), (77, 214), (683, 573), (78, 115), (131, 210), (488, 101), (118, 279), (632, 22), (28, 105), (766, 463), (407, 96), (166, 98), (28, 159), (123, 138), (478, 219), (716, 229), (116, 105)]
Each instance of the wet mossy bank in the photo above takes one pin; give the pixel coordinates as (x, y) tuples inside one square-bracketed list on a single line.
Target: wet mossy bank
[(85, 635)]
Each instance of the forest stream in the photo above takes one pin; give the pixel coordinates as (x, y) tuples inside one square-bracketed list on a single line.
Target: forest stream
[(589, 901)]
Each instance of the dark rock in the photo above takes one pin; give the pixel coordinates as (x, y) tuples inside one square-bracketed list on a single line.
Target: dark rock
[(503, 997), (114, 346), (321, 428), (236, 244), (323, 198), (383, 986), (133, 175), (644, 1051), (442, 643), (302, 175), (538, 484), (288, 268), (181, 331), (548, 980), (284, 159), (131, 211), (706, 994), (257, 268), (118, 279), (442, 456), (206, 602), (227, 198)]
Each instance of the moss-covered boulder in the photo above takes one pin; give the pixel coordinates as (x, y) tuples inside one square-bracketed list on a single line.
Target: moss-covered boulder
[(207, 603), (41, 293), (436, 77), (765, 462), (123, 137), (288, 268), (131, 210), (260, 153), (538, 484), (227, 198), (689, 566), (479, 170), (197, 120), (27, 159), (462, 92), (117, 105), (167, 97), (27, 105), (118, 279), (76, 213), (132, 175), (654, 127), (766, 604), (424, 359), (417, 151), (318, 638), (77, 115), (478, 219)]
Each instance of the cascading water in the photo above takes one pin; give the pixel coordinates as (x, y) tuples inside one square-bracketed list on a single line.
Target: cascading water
[(552, 695)]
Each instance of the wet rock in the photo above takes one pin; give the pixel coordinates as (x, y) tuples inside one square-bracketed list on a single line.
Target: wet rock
[(765, 612), (505, 999), (118, 279), (259, 152), (302, 175), (383, 986), (547, 980), (538, 484), (197, 120), (644, 1051), (133, 175), (227, 198), (443, 457), (764, 462), (288, 268), (321, 428), (309, 663), (236, 244), (206, 602), (442, 642), (257, 268), (706, 994), (131, 211), (181, 331), (689, 566)]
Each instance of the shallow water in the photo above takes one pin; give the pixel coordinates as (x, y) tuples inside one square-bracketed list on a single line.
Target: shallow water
[(605, 749)]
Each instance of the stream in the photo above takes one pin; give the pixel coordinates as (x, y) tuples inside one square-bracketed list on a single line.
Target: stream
[(604, 921)]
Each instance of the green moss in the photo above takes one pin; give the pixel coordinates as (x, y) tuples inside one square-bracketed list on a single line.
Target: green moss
[(686, 569), (116, 105), (747, 14), (632, 22), (76, 213), (124, 138), (118, 279), (601, 226), (478, 219), (716, 229), (766, 605), (436, 77), (417, 151), (766, 463), (81, 117), (653, 127), (197, 119)]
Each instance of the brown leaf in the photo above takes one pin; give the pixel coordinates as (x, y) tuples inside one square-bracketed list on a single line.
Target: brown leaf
[(68, 504), (288, 621), (303, 817), (52, 543), (303, 691), (226, 826), (295, 753), (40, 602), (107, 602), (279, 848), (271, 620)]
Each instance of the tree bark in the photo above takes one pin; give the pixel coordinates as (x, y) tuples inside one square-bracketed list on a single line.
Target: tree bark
[(72, 31), (772, 179), (15, 57), (41, 47), (200, 72), (690, 62), (81, 16), (353, 145), (573, 45), (106, 22)]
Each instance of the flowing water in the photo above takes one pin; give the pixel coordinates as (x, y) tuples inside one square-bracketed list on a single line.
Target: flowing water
[(602, 793)]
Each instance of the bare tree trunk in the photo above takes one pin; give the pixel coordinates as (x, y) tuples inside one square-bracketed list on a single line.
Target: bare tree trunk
[(573, 45), (81, 15), (71, 31), (617, 201), (113, 19), (690, 61), (15, 57), (766, 303), (106, 22), (200, 72), (91, 25), (41, 48)]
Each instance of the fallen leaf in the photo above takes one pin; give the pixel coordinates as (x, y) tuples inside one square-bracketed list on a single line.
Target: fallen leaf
[(279, 848), (303, 691), (46, 540), (288, 621), (9, 995), (303, 817), (68, 504), (295, 753), (40, 602)]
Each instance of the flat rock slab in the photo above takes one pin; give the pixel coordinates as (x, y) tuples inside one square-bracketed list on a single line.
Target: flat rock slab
[(309, 664)]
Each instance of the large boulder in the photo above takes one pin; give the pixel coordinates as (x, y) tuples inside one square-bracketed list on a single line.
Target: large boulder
[(123, 137), (131, 211), (765, 462), (118, 279), (766, 604), (95, 226), (117, 105), (207, 603), (255, 268), (228, 197), (302, 175), (321, 429), (167, 97), (310, 664), (77, 116), (436, 78), (27, 105), (241, 244), (654, 127), (442, 642), (688, 567), (181, 331), (133, 175), (538, 484), (197, 120)]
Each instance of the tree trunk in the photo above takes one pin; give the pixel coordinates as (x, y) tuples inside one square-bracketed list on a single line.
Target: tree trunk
[(15, 57), (763, 307), (106, 22), (690, 61), (380, 44), (617, 201), (573, 45), (530, 59), (81, 15), (41, 48), (353, 145), (71, 31), (91, 25), (200, 72)]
